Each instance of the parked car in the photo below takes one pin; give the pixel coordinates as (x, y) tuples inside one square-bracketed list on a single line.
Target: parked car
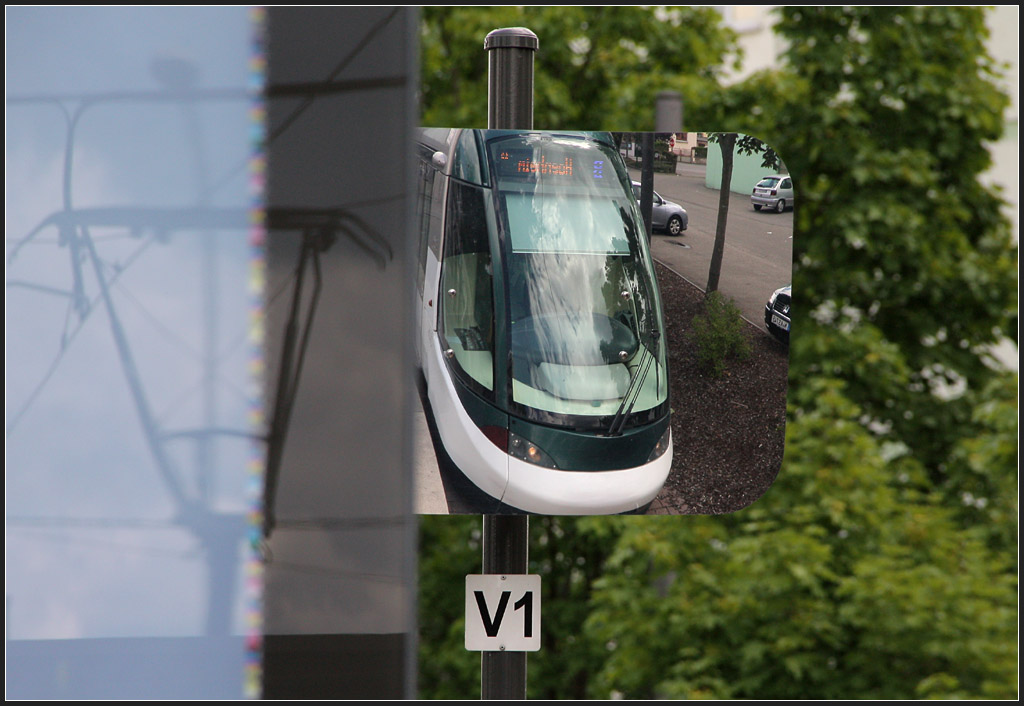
[(665, 215), (776, 313), (774, 192)]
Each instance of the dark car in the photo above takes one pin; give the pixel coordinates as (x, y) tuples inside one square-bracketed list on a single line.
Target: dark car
[(776, 313)]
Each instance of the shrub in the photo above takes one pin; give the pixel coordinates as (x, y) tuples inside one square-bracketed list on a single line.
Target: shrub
[(718, 333)]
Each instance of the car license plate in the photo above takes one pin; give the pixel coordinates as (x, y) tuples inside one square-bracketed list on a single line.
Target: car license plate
[(780, 322)]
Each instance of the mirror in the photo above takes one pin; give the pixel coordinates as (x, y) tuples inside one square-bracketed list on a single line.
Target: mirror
[(532, 399)]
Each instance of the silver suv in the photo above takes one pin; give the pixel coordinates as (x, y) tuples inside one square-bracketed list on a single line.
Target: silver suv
[(774, 192)]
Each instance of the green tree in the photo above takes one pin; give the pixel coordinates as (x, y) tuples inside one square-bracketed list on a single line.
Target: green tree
[(597, 68), (726, 142), (882, 563), (849, 578), (449, 550), (730, 143), (902, 256)]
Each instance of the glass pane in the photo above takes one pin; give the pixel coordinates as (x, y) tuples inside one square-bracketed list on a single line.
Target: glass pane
[(466, 286), (467, 159), (583, 304), (338, 612), (572, 224), (130, 390)]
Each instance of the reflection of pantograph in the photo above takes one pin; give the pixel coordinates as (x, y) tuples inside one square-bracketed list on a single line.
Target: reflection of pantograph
[(219, 533), (319, 230)]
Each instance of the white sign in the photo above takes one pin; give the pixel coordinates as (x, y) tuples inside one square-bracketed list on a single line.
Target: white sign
[(503, 613)]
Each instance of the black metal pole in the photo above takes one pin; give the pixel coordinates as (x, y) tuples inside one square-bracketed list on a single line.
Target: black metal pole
[(506, 537), (503, 674), (510, 78), (647, 182)]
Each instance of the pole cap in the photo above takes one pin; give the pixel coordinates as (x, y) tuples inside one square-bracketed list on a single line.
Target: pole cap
[(511, 37)]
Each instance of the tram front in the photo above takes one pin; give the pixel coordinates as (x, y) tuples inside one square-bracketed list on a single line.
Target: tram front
[(576, 376)]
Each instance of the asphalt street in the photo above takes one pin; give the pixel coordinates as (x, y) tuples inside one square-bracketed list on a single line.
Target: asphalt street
[(758, 256)]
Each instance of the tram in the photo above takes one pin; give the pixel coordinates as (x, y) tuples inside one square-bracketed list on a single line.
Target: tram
[(540, 328)]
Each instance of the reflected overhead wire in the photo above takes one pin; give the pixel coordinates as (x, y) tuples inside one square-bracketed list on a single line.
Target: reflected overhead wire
[(309, 99)]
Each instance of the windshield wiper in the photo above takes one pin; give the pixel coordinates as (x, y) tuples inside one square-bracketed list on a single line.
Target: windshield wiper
[(635, 385)]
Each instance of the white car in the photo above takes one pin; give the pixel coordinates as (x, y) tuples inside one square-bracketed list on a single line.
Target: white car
[(665, 215), (774, 192)]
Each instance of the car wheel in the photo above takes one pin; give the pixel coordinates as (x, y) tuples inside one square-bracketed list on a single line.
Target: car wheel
[(757, 207), (675, 225), (780, 206)]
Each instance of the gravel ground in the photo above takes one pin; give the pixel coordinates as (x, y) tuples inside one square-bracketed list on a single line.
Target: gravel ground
[(728, 432)]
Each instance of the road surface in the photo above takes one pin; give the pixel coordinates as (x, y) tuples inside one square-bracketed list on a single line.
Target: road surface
[(758, 253)]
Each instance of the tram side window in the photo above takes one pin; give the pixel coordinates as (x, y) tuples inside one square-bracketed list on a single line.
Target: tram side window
[(467, 159), (466, 286)]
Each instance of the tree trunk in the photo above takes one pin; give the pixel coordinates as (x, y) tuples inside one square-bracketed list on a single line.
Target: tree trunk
[(726, 142)]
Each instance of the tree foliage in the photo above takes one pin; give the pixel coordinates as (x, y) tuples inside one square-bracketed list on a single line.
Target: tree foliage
[(848, 578), (450, 550), (597, 67), (883, 562), (907, 264)]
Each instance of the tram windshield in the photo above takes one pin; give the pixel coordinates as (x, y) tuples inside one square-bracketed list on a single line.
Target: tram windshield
[(585, 317)]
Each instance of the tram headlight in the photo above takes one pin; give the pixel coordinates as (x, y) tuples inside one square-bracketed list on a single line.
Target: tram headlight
[(528, 451), (662, 446)]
